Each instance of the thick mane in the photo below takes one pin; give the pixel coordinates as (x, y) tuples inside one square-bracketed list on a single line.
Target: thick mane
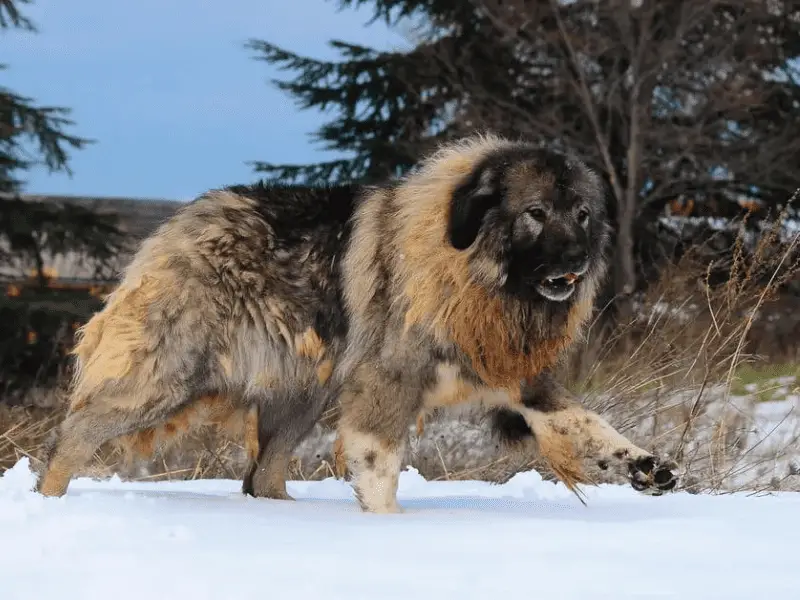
[(505, 339)]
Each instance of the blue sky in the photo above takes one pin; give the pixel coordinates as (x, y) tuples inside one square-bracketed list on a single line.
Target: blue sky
[(176, 103)]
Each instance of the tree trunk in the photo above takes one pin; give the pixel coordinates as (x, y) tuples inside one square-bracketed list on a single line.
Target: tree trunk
[(624, 267), (625, 270), (39, 260)]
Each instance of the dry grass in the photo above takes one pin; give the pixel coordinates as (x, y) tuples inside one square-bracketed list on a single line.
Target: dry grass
[(681, 378), (23, 431), (681, 386)]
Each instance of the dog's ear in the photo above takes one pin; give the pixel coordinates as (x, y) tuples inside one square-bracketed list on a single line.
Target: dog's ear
[(470, 203), (604, 193)]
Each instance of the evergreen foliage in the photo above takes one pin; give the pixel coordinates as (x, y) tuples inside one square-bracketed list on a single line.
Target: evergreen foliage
[(32, 135), (681, 104)]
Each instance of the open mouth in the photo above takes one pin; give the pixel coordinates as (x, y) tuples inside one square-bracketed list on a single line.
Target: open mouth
[(557, 288)]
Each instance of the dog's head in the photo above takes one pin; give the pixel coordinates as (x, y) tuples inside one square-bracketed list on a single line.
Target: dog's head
[(534, 222)]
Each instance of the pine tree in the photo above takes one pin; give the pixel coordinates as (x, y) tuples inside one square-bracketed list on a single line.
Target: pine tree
[(31, 229), (391, 106), (21, 121), (676, 102)]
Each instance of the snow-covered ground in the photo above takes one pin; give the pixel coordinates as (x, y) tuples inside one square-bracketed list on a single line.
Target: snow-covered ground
[(200, 540)]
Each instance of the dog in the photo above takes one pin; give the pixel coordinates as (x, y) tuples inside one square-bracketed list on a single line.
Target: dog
[(463, 281)]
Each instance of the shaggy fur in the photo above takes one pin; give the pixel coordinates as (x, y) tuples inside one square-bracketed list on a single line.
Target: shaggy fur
[(230, 312), (463, 282)]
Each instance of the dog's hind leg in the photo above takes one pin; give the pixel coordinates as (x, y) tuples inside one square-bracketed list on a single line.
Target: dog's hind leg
[(266, 476), (284, 421), (84, 430)]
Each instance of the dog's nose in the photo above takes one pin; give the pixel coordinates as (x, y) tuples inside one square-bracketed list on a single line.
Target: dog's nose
[(575, 259)]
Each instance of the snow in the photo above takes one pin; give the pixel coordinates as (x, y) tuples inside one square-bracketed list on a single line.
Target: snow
[(115, 540)]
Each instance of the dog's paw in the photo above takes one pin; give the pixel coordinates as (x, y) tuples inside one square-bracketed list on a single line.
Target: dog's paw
[(651, 475), (646, 473)]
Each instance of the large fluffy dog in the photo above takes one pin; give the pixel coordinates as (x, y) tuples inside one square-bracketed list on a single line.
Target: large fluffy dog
[(464, 281)]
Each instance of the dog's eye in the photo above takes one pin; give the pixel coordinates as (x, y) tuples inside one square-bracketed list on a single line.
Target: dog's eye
[(583, 216), (538, 214)]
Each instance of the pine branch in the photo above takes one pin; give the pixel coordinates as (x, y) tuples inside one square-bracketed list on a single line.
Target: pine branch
[(388, 106), (10, 15), (33, 135), (23, 123)]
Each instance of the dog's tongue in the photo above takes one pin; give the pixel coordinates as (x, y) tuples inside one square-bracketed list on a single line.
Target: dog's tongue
[(571, 277)]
